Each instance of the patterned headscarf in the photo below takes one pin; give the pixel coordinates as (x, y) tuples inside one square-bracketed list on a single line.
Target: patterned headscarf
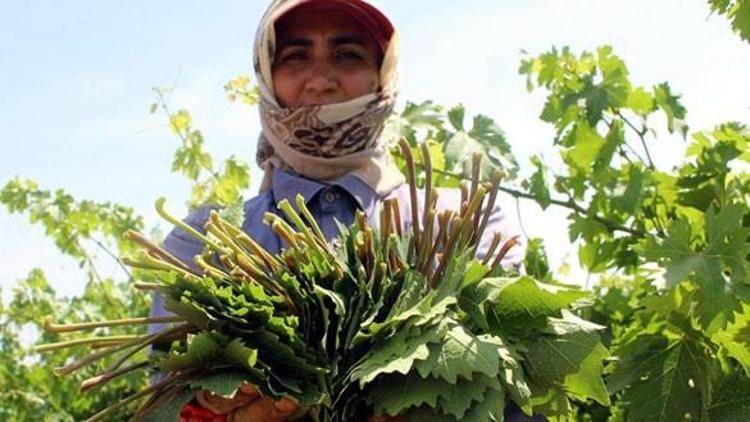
[(324, 142)]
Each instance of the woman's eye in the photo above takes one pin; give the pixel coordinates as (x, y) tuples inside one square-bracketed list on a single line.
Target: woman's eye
[(349, 55), (293, 56)]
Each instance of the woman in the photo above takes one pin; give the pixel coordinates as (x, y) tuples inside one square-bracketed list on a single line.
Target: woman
[(326, 70)]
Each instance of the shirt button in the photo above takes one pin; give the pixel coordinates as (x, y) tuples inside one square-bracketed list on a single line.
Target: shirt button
[(330, 196)]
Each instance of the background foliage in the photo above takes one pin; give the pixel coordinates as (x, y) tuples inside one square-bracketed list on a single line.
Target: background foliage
[(670, 246)]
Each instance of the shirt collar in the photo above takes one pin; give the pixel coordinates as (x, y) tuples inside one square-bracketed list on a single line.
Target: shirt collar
[(286, 185), (365, 196)]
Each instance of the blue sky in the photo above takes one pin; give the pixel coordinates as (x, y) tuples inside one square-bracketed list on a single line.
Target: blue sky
[(75, 81)]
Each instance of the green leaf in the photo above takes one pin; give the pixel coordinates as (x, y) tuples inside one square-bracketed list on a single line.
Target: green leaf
[(424, 312), (399, 353), (640, 101), (725, 250), (460, 149), (669, 384), (202, 348), (234, 213), (234, 179), (612, 142), (597, 254), (490, 409), (587, 382), (671, 106), (572, 357), (237, 353), (736, 339), (180, 121), (422, 114), (437, 156), (635, 180), (456, 117), (585, 227), (518, 303), (614, 76), (224, 383), (731, 401), (586, 146), (462, 396), (497, 148), (535, 261), (460, 355), (411, 294), (395, 395), (738, 13), (537, 184), (170, 411)]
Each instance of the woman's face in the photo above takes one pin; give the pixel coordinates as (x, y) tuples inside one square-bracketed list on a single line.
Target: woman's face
[(324, 57)]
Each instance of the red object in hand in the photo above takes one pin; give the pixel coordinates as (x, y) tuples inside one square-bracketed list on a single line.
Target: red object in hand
[(193, 412)]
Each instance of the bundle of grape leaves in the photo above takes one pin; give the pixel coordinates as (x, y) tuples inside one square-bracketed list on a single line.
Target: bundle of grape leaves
[(388, 320)]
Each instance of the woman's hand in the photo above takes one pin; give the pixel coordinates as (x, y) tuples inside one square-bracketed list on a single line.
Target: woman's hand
[(247, 405)]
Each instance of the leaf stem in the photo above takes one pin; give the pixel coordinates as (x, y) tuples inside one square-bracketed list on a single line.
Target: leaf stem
[(66, 328), (105, 377), (82, 341), (641, 135), (410, 176), (184, 226)]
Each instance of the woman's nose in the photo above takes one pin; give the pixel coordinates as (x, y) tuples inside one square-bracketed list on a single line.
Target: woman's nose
[(321, 77)]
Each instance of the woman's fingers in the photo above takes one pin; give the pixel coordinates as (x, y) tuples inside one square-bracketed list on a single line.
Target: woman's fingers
[(223, 405), (264, 410), (249, 389), (286, 405)]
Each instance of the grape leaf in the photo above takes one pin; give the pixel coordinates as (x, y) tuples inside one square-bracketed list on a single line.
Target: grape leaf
[(234, 213), (725, 250), (396, 394), (463, 395), (731, 401), (537, 183), (170, 411), (580, 384), (571, 358), (202, 347), (399, 353), (737, 12), (667, 383), (640, 101), (490, 409), (460, 355), (585, 149), (736, 339), (517, 303), (670, 104), (221, 383)]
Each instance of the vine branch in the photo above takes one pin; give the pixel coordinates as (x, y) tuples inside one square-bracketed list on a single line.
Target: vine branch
[(162, 101), (641, 136), (117, 259), (570, 204)]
